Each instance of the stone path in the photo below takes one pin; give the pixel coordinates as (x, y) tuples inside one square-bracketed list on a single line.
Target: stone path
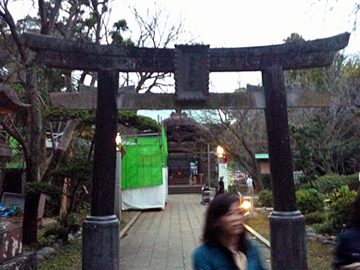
[(164, 239)]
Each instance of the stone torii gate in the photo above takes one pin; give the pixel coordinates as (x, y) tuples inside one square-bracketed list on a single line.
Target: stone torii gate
[(191, 65)]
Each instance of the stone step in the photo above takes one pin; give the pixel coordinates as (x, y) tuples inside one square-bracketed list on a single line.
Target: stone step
[(184, 189), (179, 182)]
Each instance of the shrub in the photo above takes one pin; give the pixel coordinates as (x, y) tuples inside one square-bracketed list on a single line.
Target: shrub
[(265, 198), (325, 227), (231, 189), (303, 186), (352, 181), (265, 179), (314, 217), (328, 183), (309, 200), (341, 212)]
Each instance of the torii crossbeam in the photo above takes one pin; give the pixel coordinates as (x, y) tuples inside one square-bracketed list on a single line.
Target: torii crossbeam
[(191, 65)]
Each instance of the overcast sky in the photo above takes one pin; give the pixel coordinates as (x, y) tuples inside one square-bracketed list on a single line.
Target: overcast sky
[(244, 23)]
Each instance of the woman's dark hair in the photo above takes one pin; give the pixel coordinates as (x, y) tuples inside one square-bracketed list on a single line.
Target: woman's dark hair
[(218, 207)]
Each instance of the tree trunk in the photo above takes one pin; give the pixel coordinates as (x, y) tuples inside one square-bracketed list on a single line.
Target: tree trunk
[(30, 225), (59, 151), (35, 124), (32, 159)]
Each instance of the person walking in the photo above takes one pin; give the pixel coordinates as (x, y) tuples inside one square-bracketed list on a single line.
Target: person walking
[(225, 242), (250, 187), (221, 187)]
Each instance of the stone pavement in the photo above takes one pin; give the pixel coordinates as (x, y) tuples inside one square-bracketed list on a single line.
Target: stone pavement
[(164, 239)]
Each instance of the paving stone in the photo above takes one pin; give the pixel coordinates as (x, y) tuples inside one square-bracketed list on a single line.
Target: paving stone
[(166, 239)]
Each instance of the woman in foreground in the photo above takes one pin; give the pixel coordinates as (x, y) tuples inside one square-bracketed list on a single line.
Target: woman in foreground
[(225, 245)]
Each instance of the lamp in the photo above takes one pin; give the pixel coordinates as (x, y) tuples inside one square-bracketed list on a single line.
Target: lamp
[(118, 142), (220, 151), (248, 207)]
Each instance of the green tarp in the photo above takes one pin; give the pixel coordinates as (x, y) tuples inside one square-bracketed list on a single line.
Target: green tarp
[(142, 164)]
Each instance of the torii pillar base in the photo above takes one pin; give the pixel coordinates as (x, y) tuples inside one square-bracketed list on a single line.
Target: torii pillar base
[(101, 243), (288, 240)]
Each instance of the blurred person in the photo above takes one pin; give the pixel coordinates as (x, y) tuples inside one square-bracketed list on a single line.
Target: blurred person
[(347, 251), (225, 243), (221, 188), (250, 187)]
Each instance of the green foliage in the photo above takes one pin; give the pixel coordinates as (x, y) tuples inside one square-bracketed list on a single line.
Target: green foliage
[(46, 241), (315, 217), (309, 200), (36, 188), (126, 118), (231, 189), (326, 140), (79, 170), (48, 234), (266, 181), (352, 68), (328, 183), (69, 259), (294, 37), (265, 198), (67, 114), (52, 228), (309, 154), (52, 205), (85, 208), (352, 181), (68, 219), (341, 211), (116, 34), (131, 119), (324, 228)]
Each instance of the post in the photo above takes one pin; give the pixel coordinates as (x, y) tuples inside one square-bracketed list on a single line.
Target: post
[(287, 224), (118, 200), (101, 229), (208, 152)]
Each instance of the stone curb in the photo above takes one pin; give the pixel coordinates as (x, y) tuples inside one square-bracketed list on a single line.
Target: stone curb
[(126, 228)]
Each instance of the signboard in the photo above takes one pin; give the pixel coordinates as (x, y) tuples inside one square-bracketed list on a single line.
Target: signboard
[(192, 72)]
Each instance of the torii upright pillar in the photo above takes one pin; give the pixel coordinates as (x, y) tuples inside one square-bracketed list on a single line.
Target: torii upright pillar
[(287, 224), (101, 230)]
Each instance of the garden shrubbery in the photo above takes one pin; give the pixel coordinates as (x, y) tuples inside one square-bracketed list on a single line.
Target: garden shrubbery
[(341, 211), (328, 183), (352, 181), (338, 191), (310, 200), (265, 198), (315, 217), (327, 205)]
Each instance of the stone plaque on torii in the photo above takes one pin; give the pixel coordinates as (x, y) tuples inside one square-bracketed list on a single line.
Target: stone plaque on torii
[(191, 66)]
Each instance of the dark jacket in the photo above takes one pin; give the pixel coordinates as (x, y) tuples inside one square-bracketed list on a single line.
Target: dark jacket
[(347, 250), (209, 257)]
